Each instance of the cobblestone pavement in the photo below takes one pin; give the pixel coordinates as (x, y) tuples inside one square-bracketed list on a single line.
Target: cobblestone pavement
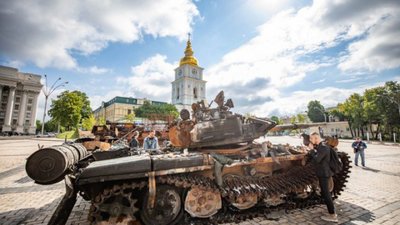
[(372, 195)]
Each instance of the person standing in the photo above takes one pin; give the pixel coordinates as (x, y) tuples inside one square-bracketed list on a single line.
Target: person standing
[(321, 158), (134, 141), (151, 141), (359, 146)]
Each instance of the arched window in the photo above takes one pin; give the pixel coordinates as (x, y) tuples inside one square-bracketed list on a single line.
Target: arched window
[(195, 92), (177, 93)]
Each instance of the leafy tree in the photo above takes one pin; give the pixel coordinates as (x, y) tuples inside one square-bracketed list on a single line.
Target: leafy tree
[(86, 110), (373, 109), (301, 118), (353, 109), (130, 117), (88, 123), (390, 99), (148, 110), (316, 111), (69, 108), (293, 119), (49, 126), (38, 126), (276, 119), (337, 113), (101, 121), (379, 105)]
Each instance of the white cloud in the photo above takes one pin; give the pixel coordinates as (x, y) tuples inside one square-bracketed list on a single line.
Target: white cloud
[(348, 80), (49, 33), (298, 100), (150, 79), (380, 49), (281, 54), (93, 70)]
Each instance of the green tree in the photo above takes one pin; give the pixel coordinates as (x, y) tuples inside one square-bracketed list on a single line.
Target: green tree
[(69, 108), (293, 119), (86, 110), (148, 110), (353, 109), (88, 123), (373, 109), (101, 121), (337, 113), (38, 126), (130, 117), (301, 118), (316, 111), (49, 126), (390, 99), (276, 119)]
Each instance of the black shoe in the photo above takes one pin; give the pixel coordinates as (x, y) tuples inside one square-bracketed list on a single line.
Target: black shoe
[(356, 164)]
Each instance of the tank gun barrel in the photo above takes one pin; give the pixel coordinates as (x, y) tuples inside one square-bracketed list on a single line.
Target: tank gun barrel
[(295, 126)]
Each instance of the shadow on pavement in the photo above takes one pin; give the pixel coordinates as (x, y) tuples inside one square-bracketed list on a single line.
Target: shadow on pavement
[(29, 215), (349, 214)]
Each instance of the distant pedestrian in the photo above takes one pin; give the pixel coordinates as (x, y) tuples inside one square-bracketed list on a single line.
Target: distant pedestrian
[(359, 146), (321, 132), (134, 141), (321, 160)]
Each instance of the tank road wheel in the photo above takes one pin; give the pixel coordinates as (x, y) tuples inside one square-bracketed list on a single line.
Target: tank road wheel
[(202, 203), (167, 208), (245, 201), (113, 206)]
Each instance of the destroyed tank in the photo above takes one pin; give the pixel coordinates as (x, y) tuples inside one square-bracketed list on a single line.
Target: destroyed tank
[(211, 172)]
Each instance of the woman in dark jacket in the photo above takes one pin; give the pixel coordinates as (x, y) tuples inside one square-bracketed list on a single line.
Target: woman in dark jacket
[(134, 142)]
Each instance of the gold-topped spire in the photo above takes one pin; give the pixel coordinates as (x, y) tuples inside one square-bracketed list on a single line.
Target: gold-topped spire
[(188, 58)]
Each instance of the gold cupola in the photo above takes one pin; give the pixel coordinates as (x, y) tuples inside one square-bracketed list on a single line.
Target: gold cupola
[(188, 58)]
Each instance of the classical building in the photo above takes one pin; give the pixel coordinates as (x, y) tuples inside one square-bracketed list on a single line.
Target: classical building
[(117, 108), (188, 86), (18, 100)]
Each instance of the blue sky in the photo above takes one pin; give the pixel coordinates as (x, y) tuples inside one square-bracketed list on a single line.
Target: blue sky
[(271, 57)]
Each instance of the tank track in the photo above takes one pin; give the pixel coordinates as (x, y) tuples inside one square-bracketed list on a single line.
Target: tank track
[(297, 178)]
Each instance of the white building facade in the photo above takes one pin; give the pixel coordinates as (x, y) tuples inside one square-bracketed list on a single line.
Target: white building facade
[(188, 86), (18, 100)]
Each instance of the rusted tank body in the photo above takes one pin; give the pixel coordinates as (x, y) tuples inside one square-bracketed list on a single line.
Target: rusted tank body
[(213, 172), (103, 136)]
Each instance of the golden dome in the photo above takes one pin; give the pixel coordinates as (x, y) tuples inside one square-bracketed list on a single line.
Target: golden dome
[(188, 58)]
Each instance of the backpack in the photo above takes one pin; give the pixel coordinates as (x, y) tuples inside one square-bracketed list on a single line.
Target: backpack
[(335, 164)]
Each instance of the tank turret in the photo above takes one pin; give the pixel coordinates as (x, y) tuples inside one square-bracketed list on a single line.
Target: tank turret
[(216, 127)]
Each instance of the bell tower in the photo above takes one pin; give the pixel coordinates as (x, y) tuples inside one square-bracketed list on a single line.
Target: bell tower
[(188, 86)]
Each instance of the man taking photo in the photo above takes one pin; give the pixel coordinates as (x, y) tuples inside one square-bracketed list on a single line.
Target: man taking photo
[(321, 159)]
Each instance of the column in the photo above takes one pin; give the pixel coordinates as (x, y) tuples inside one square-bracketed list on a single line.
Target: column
[(9, 110), (32, 128), (1, 92), (22, 112)]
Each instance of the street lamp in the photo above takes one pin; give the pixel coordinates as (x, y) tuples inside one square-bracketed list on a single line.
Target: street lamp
[(47, 92)]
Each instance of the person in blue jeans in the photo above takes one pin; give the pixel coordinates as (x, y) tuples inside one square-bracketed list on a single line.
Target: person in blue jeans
[(359, 146), (151, 141)]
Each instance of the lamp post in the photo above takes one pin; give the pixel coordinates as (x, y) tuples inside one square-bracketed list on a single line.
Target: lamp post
[(47, 92)]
